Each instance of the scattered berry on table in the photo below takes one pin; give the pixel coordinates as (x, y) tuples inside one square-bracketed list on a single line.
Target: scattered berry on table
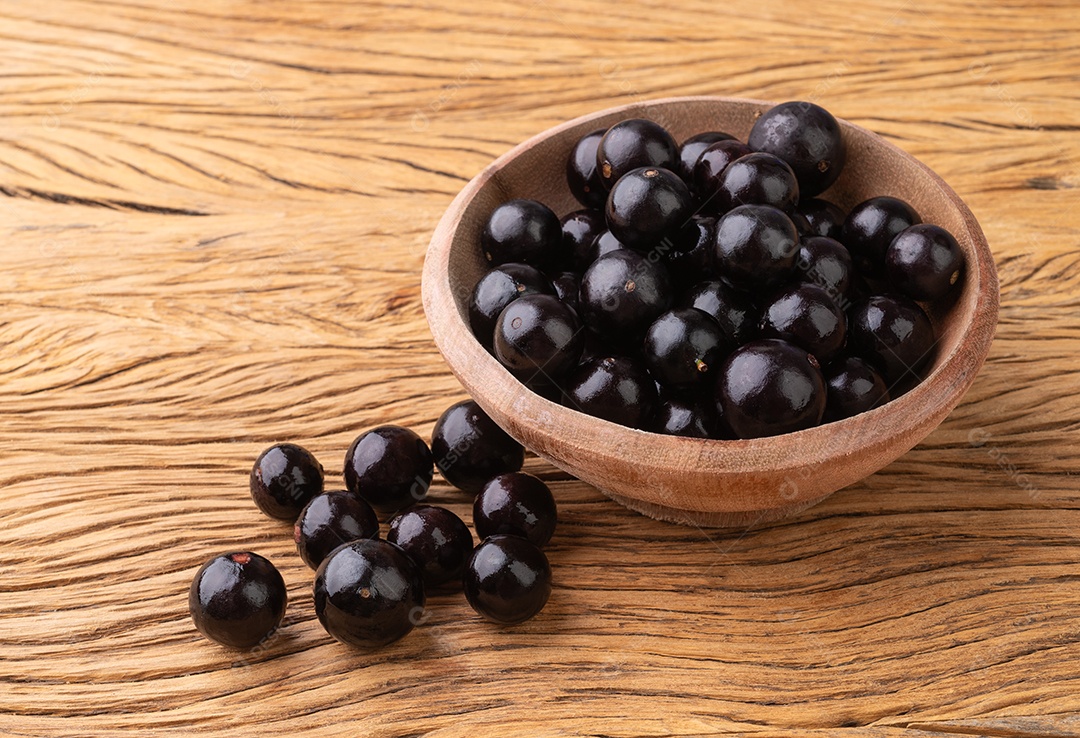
[(237, 599), (283, 479), (390, 467), (329, 520), (368, 593), (507, 579), (436, 540), (515, 504)]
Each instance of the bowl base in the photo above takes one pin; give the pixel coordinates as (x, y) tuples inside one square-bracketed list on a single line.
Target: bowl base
[(699, 519)]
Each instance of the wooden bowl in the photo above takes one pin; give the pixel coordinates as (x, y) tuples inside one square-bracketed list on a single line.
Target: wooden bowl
[(693, 481)]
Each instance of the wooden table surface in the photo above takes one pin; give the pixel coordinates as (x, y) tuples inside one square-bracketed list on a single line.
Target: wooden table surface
[(213, 224)]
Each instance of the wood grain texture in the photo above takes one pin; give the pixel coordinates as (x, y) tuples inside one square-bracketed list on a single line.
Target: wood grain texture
[(213, 219)]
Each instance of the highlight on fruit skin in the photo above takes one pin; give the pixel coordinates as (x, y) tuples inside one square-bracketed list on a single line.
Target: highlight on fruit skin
[(237, 599)]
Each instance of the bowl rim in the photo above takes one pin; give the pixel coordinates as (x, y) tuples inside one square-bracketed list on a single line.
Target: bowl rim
[(954, 373)]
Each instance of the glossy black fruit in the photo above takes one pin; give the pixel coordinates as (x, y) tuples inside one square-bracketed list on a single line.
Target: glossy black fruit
[(647, 205), (470, 448), (691, 149), (769, 387), (523, 231), (497, 289), (732, 309), (756, 245), (538, 336), (709, 170), (808, 138), (438, 542), (853, 387), (604, 244), (516, 504), (683, 348), (330, 520), (757, 179), (368, 593), (634, 143), (284, 478), (681, 416), (826, 263), (894, 334), (582, 173), (508, 579), (579, 230), (566, 286), (806, 315), (389, 466), (613, 388), (821, 218), (237, 599), (690, 257), (924, 262), (871, 226), (621, 294)]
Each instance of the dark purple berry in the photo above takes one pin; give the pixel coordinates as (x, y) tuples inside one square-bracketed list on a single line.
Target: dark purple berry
[(621, 294), (582, 174), (516, 504), (871, 226), (497, 289), (436, 540), (634, 143), (709, 171), (368, 593), (683, 348), (470, 448), (614, 388), (756, 245), (579, 230), (284, 478), (808, 138), (647, 205), (390, 467), (507, 579), (604, 244), (806, 316), (770, 387), (690, 257), (757, 179), (330, 520), (820, 218), (538, 335), (692, 148), (732, 309), (237, 599), (682, 416), (894, 334), (523, 231), (853, 387), (566, 286), (826, 263), (924, 262)]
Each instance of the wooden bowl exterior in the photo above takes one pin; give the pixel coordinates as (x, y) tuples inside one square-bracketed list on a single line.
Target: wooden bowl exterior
[(693, 481)]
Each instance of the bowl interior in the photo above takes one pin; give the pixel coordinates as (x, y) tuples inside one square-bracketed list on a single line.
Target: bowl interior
[(873, 168), (729, 476)]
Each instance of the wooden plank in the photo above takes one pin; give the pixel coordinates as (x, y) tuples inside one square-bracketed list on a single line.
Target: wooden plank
[(213, 221)]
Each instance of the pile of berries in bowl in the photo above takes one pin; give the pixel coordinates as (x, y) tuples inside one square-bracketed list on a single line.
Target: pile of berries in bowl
[(704, 291), (735, 325), (370, 591)]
